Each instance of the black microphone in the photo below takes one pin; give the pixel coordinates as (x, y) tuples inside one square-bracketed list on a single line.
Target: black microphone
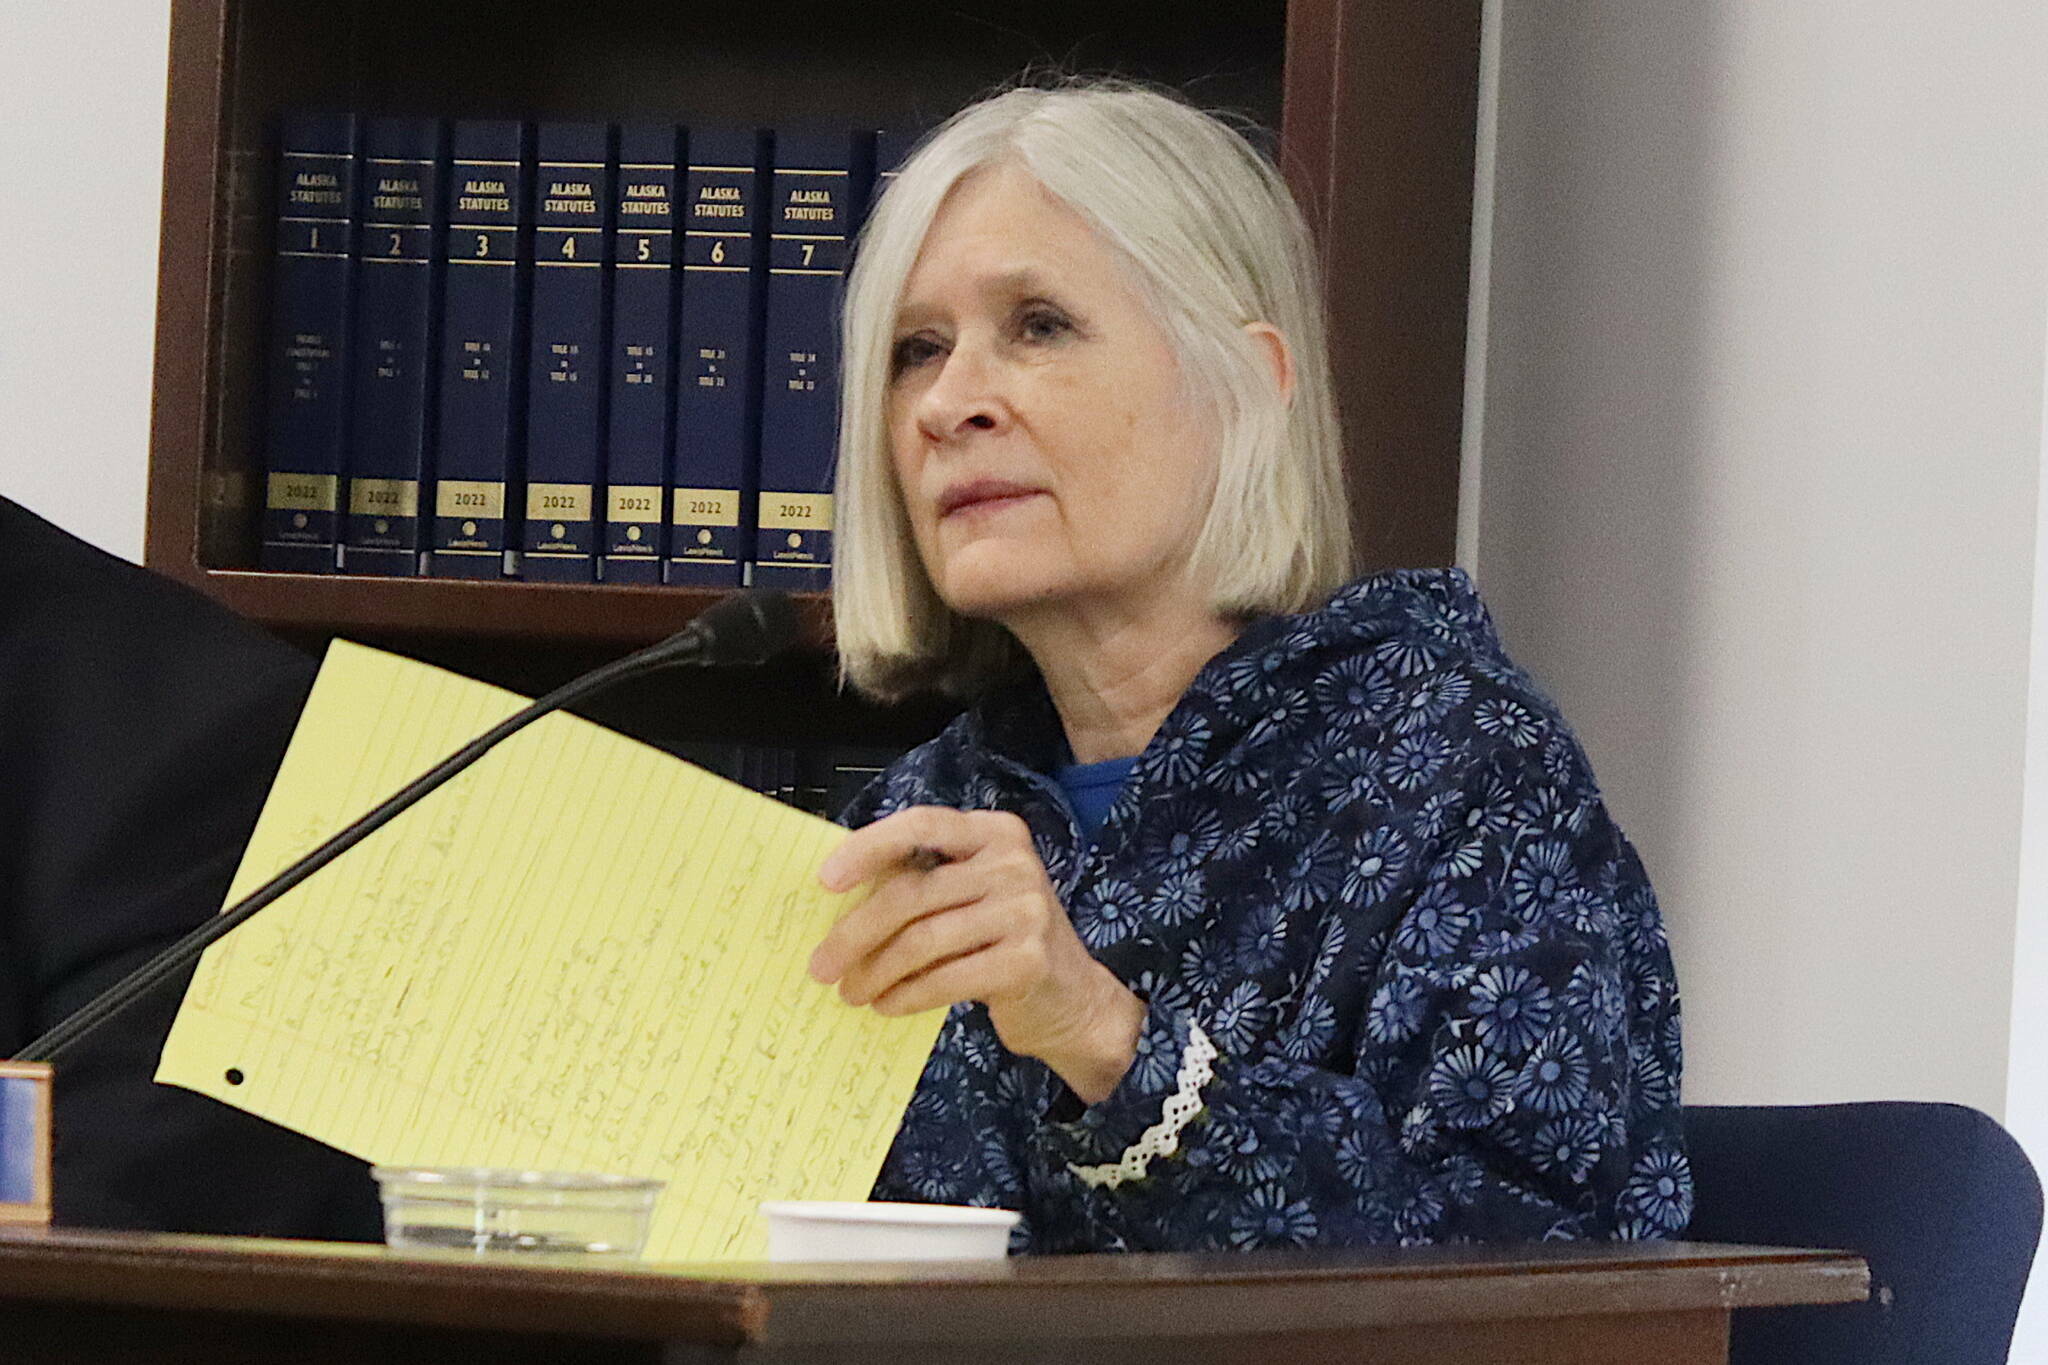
[(747, 628), (744, 629)]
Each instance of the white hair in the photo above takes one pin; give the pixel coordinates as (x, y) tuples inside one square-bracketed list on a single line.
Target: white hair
[(1215, 241)]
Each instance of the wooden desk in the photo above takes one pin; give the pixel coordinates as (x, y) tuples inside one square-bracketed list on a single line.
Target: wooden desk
[(68, 1296)]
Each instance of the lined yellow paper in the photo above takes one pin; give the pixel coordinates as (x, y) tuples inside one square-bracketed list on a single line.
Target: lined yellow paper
[(582, 954)]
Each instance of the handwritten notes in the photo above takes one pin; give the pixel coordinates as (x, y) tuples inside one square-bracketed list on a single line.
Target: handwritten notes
[(583, 954)]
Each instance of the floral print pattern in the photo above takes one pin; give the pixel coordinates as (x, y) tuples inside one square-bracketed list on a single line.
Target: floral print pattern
[(1366, 856)]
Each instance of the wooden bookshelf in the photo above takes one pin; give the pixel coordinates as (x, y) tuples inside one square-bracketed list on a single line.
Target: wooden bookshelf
[(1375, 100), (567, 612)]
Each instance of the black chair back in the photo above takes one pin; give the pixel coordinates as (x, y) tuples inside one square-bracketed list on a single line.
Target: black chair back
[(1937, 1197)]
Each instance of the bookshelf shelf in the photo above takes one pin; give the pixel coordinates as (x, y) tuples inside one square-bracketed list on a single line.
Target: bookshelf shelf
[(568, 613), (1375, 101)]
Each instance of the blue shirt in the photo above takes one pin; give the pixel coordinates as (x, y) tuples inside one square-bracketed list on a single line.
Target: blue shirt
[(1091, 788), (1365, 857)]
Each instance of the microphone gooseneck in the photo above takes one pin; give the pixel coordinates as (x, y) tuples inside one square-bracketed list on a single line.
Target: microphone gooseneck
[(744, 629)]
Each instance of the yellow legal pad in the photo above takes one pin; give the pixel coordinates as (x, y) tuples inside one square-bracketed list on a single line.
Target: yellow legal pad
[(582, 954)]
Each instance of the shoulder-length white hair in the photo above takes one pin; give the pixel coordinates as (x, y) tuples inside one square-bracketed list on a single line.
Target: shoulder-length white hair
[(1215, 241)]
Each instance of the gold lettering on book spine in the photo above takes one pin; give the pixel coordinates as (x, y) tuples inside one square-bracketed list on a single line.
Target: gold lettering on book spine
[(633, 502), (706, 507), (472, 498), (558, 501), (383, 497), (795, 511), (303, 493)]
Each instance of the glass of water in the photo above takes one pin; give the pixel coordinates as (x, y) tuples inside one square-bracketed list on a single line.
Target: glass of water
[(486, 1211)]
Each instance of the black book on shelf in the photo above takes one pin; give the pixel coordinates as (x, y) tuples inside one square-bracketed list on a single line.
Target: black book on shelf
[(641, 354), (718, 377), (306, 431), (482, 361), (565, 376), (820, 184), (398, 285)]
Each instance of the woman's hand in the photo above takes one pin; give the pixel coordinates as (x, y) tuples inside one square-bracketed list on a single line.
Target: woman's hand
[(983, 925)]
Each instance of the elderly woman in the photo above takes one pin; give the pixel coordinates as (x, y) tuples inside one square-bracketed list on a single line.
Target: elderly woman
[(1271, 909)]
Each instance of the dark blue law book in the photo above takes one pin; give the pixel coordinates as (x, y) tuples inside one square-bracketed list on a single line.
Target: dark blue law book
[(565, 389), (821, 182), (307, 428), (849, 768), (480, 423), (893, 147), (718, 344), (723, 757), (398, 278), (642, 354)]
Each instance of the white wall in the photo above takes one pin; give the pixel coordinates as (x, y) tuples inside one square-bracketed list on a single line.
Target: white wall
[(1760, 466), (81, 174), (1761, 448), (2026, 1112)]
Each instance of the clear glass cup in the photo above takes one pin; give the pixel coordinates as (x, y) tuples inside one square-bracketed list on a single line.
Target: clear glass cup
[(485, 1211)]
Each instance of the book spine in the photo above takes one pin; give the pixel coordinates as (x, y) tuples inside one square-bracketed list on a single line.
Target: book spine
[(642, 358), (893, 147), (307, 427), (404, 167), (820, 180), (565, 363), (786, 787), (479, 420), (851, 768), (718, 382)]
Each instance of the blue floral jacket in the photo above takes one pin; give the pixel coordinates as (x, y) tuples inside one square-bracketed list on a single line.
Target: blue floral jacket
[(1366, 859)]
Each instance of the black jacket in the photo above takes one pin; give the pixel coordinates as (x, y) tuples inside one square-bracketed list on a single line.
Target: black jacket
[(140, 727)]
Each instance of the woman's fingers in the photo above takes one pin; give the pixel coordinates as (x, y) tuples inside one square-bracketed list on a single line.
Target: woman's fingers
[(973, 976), (920, 946), (961, 909), (899, 898), (890, 842)]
